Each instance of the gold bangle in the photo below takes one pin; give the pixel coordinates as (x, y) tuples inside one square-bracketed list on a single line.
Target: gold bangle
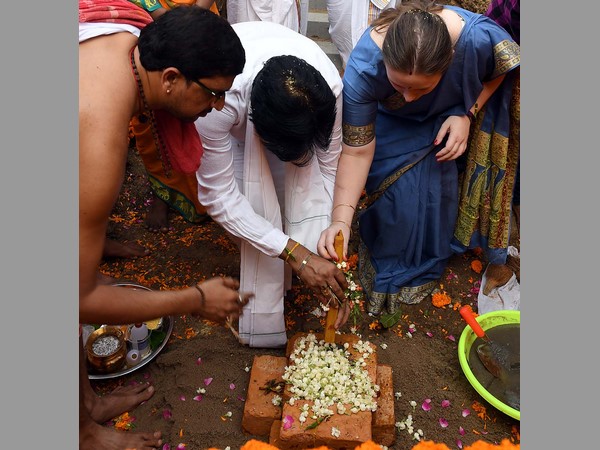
[(202, 296), (341, 221), (289, 252), (303, 265), (343, 204)]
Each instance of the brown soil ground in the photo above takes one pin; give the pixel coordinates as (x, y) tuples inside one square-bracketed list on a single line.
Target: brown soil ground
[(424, 366)]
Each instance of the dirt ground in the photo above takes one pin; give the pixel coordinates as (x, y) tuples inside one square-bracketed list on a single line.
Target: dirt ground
[(425, 366)]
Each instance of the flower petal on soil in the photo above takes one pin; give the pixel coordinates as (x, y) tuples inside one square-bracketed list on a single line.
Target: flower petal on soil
[(466, 412), (181, 446), (182, 398), (451, 338), (445, 403), (429, 333), (426, 404), (459, 443), (461, 431), (443, 422), (166, 447), (199, 361), (207, 381), (167, 414), (287, 422), (232, 386), (198, 398)]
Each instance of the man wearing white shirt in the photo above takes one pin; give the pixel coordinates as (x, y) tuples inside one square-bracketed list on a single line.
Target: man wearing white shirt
[(268, 170)]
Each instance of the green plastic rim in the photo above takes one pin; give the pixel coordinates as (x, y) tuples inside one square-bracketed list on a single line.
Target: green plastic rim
[(467, 337)]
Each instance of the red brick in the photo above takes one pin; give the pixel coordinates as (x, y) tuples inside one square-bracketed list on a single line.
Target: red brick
[(354, 428), (259, 410), (384, 419)]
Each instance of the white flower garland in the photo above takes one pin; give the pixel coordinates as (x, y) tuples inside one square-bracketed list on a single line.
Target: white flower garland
[(330, 377)]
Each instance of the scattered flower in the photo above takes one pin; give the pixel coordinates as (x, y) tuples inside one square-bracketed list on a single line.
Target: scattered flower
[(247, 369), (167, 414), (207, 381), (383, 346), (440, 299), (181, 446), (201, 391), (409, 334), (182, 398), (445, 403), (416, 437), (429, 333), (197, 398), (412, 328), (477, 266), (459, 443), (276, 400), (451, 337), (287, 422), (335, 432), (461, 431), (413, 404), (232, 386), (398, 395), (199, 361), (426, 404), (443, 422), (166, 447)]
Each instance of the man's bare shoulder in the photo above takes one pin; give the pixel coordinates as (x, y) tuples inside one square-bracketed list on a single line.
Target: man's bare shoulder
[(106, 83)]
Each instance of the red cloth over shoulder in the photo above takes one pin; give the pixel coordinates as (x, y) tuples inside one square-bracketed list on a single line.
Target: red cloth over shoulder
[(113, 11), (182, 140)]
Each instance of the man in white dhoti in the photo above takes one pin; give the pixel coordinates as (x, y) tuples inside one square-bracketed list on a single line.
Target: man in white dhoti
[(268, 172), (289, 13)]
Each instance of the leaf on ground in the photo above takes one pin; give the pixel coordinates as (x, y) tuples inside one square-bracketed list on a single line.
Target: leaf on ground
[(389, 320)]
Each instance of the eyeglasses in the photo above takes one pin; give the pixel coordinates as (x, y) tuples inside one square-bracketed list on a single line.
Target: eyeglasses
[(217, 95)]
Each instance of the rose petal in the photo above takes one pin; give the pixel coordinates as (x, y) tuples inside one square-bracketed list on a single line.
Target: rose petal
[(197, 398), (461, 431), (426, 406), (451, 338), (443, 422), (445, 403), (181, 446), (465, 412), (240, 398), (459, 443), (207, 381), (166, 447), (232, 386), (198, 361), (429, 333), (287, 422), (167, 414), (182, 398)]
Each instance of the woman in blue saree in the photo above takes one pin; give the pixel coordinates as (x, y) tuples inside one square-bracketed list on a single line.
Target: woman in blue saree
[(413, 86)]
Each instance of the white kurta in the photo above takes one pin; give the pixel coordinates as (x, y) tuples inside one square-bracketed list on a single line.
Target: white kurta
[(289, 13), (255, 196)]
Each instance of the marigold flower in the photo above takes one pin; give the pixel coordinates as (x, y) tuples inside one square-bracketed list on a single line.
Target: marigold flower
[(440, 299), (477, 266)]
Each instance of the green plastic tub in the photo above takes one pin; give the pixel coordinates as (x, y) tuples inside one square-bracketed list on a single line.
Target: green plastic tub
[(467, 337)]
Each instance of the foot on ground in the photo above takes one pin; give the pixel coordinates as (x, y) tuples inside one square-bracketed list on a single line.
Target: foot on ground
[(157, 216), (114, 249), (496, 275), (96, 437), (104, 279), (123, 398)]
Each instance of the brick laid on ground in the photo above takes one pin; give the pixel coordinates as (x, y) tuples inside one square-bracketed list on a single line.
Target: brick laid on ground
[(384, 419), (259, 410)]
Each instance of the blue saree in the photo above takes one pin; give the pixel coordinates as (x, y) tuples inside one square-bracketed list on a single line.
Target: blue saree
[(407, 228)]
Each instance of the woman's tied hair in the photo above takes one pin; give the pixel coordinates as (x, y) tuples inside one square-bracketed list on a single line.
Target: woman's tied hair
[(292, 108), (417, 40)]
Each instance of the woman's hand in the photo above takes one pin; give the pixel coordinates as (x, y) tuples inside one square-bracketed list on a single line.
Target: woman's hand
[(457, 128), (325, 246)]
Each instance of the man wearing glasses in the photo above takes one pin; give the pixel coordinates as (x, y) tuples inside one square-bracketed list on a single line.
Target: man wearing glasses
[(121, 76)]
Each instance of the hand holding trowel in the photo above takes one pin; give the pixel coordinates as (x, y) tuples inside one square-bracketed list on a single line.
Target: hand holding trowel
[(332, 312)]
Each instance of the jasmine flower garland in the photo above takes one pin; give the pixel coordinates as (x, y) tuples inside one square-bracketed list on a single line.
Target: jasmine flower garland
[(331, 378)]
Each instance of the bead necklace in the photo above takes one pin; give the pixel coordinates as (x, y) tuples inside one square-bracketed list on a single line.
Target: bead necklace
[(158, 142)]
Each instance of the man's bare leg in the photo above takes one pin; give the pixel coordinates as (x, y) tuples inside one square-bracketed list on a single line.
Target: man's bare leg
[(157, 216), (114, 249), (94, 410)]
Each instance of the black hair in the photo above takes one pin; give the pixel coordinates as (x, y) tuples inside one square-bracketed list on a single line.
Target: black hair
[(417, 40), (292, 108), (194, 40)]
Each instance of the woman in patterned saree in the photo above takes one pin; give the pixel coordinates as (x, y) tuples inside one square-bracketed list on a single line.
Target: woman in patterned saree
[(412, 88)]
